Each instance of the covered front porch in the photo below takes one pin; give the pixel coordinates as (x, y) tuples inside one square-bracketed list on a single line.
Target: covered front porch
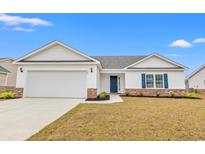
[(112, 82)]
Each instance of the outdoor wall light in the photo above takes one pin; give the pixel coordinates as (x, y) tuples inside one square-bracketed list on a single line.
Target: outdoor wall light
[(21, 69), (91, 69)]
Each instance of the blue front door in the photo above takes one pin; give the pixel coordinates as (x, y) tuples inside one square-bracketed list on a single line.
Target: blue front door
[(113, 84)]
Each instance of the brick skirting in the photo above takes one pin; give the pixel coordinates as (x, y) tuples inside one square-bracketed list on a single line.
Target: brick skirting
[(155, 92), (17, 91), (199, 90), (91, 92)]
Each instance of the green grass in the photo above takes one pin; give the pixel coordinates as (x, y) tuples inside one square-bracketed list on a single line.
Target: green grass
[(135, 119)]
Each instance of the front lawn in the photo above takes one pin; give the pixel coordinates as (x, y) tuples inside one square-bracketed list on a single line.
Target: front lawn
[(135, 119)]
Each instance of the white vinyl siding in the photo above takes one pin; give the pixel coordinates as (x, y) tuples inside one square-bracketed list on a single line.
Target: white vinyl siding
[(197, 81), (155, 62), (56, 52), (176, 79)]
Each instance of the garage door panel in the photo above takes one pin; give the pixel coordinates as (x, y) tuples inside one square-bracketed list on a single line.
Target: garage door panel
[(56, 84)]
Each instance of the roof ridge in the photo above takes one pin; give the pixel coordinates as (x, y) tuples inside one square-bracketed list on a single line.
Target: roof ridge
[(117, 62), (122, 56)]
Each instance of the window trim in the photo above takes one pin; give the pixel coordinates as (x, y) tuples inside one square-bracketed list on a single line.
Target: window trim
[(162, 81), (119, 88), (154, 80), (146, 81)]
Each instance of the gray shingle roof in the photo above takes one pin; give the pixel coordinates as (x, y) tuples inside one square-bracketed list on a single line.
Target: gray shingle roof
[(117, 62), (2, 69), (6, 58)]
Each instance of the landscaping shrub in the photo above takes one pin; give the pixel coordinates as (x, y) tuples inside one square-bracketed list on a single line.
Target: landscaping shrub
[(191, 94), (141, 94), (7, 95), (158, 93), (171, 93), (103, 95), (192, 90)]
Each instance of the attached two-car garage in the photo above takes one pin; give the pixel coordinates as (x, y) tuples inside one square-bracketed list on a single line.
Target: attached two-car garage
[(70, 84)]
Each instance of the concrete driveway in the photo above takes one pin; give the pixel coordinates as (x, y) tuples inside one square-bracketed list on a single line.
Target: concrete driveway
[(21, 118)]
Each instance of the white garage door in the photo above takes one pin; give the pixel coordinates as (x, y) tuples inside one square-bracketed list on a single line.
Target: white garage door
[(56, 84)]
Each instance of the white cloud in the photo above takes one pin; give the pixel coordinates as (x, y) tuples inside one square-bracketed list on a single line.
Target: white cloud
[(173, 55), (17, 20), (181, 44), (199, 40), (19, 29)]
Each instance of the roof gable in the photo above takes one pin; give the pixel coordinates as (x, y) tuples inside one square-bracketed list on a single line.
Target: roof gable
[(155, 61), (55, 51), (196, 71), (3, 70)]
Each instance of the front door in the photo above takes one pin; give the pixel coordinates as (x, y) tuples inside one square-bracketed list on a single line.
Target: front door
[(113, 84)]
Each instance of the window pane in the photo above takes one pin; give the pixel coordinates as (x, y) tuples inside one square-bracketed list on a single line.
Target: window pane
[(159, 80), (149, 81)]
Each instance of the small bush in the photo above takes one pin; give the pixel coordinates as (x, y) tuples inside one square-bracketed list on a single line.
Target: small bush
[(191, 94), (103, 95), (171, 93), (7, 95), (192, 90), (141, 94), (158, 93)]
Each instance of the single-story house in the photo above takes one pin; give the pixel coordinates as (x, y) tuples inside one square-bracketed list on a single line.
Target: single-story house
[(57, 70), (7, 72), (196, 80)]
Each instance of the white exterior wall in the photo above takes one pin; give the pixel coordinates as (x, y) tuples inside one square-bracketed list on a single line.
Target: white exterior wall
[(91, 76), (105, 82), (154, 62), (56, 52), (198, 80), (176, 79), (98, 80)]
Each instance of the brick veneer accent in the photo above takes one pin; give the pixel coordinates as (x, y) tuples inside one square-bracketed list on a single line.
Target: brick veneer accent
[(17, 91), (198, 90), (91, 92), (153, 92)]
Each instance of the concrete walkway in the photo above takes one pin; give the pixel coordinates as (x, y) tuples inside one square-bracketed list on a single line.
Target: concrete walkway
[(114, 98), (21, 118)]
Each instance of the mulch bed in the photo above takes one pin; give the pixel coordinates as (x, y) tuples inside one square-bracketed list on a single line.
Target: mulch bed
[(178, 97), (98, 99)]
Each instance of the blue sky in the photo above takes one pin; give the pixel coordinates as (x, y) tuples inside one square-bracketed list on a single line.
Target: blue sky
[(180, 37)]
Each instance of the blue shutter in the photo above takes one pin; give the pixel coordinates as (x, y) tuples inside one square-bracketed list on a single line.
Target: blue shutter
[(166, 81), (143, 81)]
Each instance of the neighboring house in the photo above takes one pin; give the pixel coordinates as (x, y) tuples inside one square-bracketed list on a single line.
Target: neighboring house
[(57, 70), (7, 72), (196, 80)]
